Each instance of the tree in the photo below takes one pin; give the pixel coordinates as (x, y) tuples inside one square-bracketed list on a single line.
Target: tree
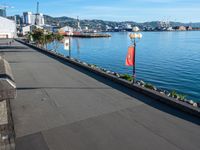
[(38, 37), (57, 38), (42, 38)]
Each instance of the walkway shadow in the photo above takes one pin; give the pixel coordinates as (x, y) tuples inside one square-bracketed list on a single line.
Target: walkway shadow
[(12, 47), (149, 101)]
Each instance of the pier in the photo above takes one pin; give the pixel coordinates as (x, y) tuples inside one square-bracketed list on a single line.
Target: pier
[(89, 35), (61, 106)]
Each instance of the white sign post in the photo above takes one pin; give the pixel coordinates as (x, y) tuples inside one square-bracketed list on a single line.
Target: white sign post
[(67, 45)]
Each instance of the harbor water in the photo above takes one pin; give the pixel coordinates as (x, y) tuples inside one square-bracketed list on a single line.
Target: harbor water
[(168, 60)]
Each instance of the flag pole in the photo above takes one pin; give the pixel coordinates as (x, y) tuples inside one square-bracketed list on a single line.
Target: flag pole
[(134, 69), (69, 47), (133, 37)]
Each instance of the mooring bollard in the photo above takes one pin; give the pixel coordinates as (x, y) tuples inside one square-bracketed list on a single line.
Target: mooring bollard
[(7, 93)]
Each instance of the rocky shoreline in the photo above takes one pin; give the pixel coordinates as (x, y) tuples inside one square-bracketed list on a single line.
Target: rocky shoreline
[(172, 94)]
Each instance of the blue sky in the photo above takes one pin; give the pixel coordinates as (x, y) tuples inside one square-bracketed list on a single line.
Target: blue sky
[(114, 10)]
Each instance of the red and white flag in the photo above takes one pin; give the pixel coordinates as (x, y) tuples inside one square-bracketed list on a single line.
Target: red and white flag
[(130, 58)]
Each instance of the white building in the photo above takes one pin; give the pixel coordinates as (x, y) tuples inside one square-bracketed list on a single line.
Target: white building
[(27, 17), (32, 19), (29, 28), (40, 21), (7, 28), (67, 29)]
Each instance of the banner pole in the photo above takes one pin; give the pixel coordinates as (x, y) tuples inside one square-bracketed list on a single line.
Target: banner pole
[(134, 69), (69, 47)]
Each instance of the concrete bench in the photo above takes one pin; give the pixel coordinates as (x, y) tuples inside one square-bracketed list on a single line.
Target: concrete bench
[(7, 93)]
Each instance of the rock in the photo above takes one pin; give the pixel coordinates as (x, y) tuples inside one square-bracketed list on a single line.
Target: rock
[(198, 104), (108, 72), (93, 66), (168, 94), (162, 93), (191, 102), (85, 64), (154, 88), (117, 75), (195, 105), (137, 82), (142, 82), (104, 70)]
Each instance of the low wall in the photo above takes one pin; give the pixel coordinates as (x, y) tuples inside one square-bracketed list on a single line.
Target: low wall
[(7, 93), (150, 93)]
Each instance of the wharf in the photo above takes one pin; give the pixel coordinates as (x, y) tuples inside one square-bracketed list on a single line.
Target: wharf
[(60, 106), (91, 35)]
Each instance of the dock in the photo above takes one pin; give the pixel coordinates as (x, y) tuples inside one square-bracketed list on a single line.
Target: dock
[(90, 35), (61, 106)]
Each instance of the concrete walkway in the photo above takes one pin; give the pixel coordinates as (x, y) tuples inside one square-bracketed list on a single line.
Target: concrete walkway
[(62, 107)]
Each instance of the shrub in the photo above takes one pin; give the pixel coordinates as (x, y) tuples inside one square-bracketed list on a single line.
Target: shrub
[(149, 86), (181, 97), (174, 94), (127, 77)]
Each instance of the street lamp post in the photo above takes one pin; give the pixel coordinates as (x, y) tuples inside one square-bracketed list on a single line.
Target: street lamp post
[(133, 36)]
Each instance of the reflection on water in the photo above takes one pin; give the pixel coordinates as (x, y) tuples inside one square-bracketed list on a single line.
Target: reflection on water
[(170, 60)]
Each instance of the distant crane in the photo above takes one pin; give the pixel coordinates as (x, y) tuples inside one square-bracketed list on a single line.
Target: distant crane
[(37, 15), (78, 24)]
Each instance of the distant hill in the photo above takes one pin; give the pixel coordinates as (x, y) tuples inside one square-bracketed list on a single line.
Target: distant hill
[(101, 24)]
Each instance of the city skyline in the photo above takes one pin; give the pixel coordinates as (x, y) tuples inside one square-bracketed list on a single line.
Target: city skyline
[(126, 10)]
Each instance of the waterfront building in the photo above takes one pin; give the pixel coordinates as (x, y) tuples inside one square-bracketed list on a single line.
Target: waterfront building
[(19, 22), (108, 28), (128, 27), (7, 28), (164, 26), (33, 19), (189, 28), (85, 29), (27, 18), (30, 28), (2, 12), (18, 19), (66, 30), (40, 19), (49, 28), (170, 29), (116, 29), (182, 28)]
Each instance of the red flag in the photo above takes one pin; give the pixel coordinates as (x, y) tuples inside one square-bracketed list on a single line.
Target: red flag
[(130, 60)]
